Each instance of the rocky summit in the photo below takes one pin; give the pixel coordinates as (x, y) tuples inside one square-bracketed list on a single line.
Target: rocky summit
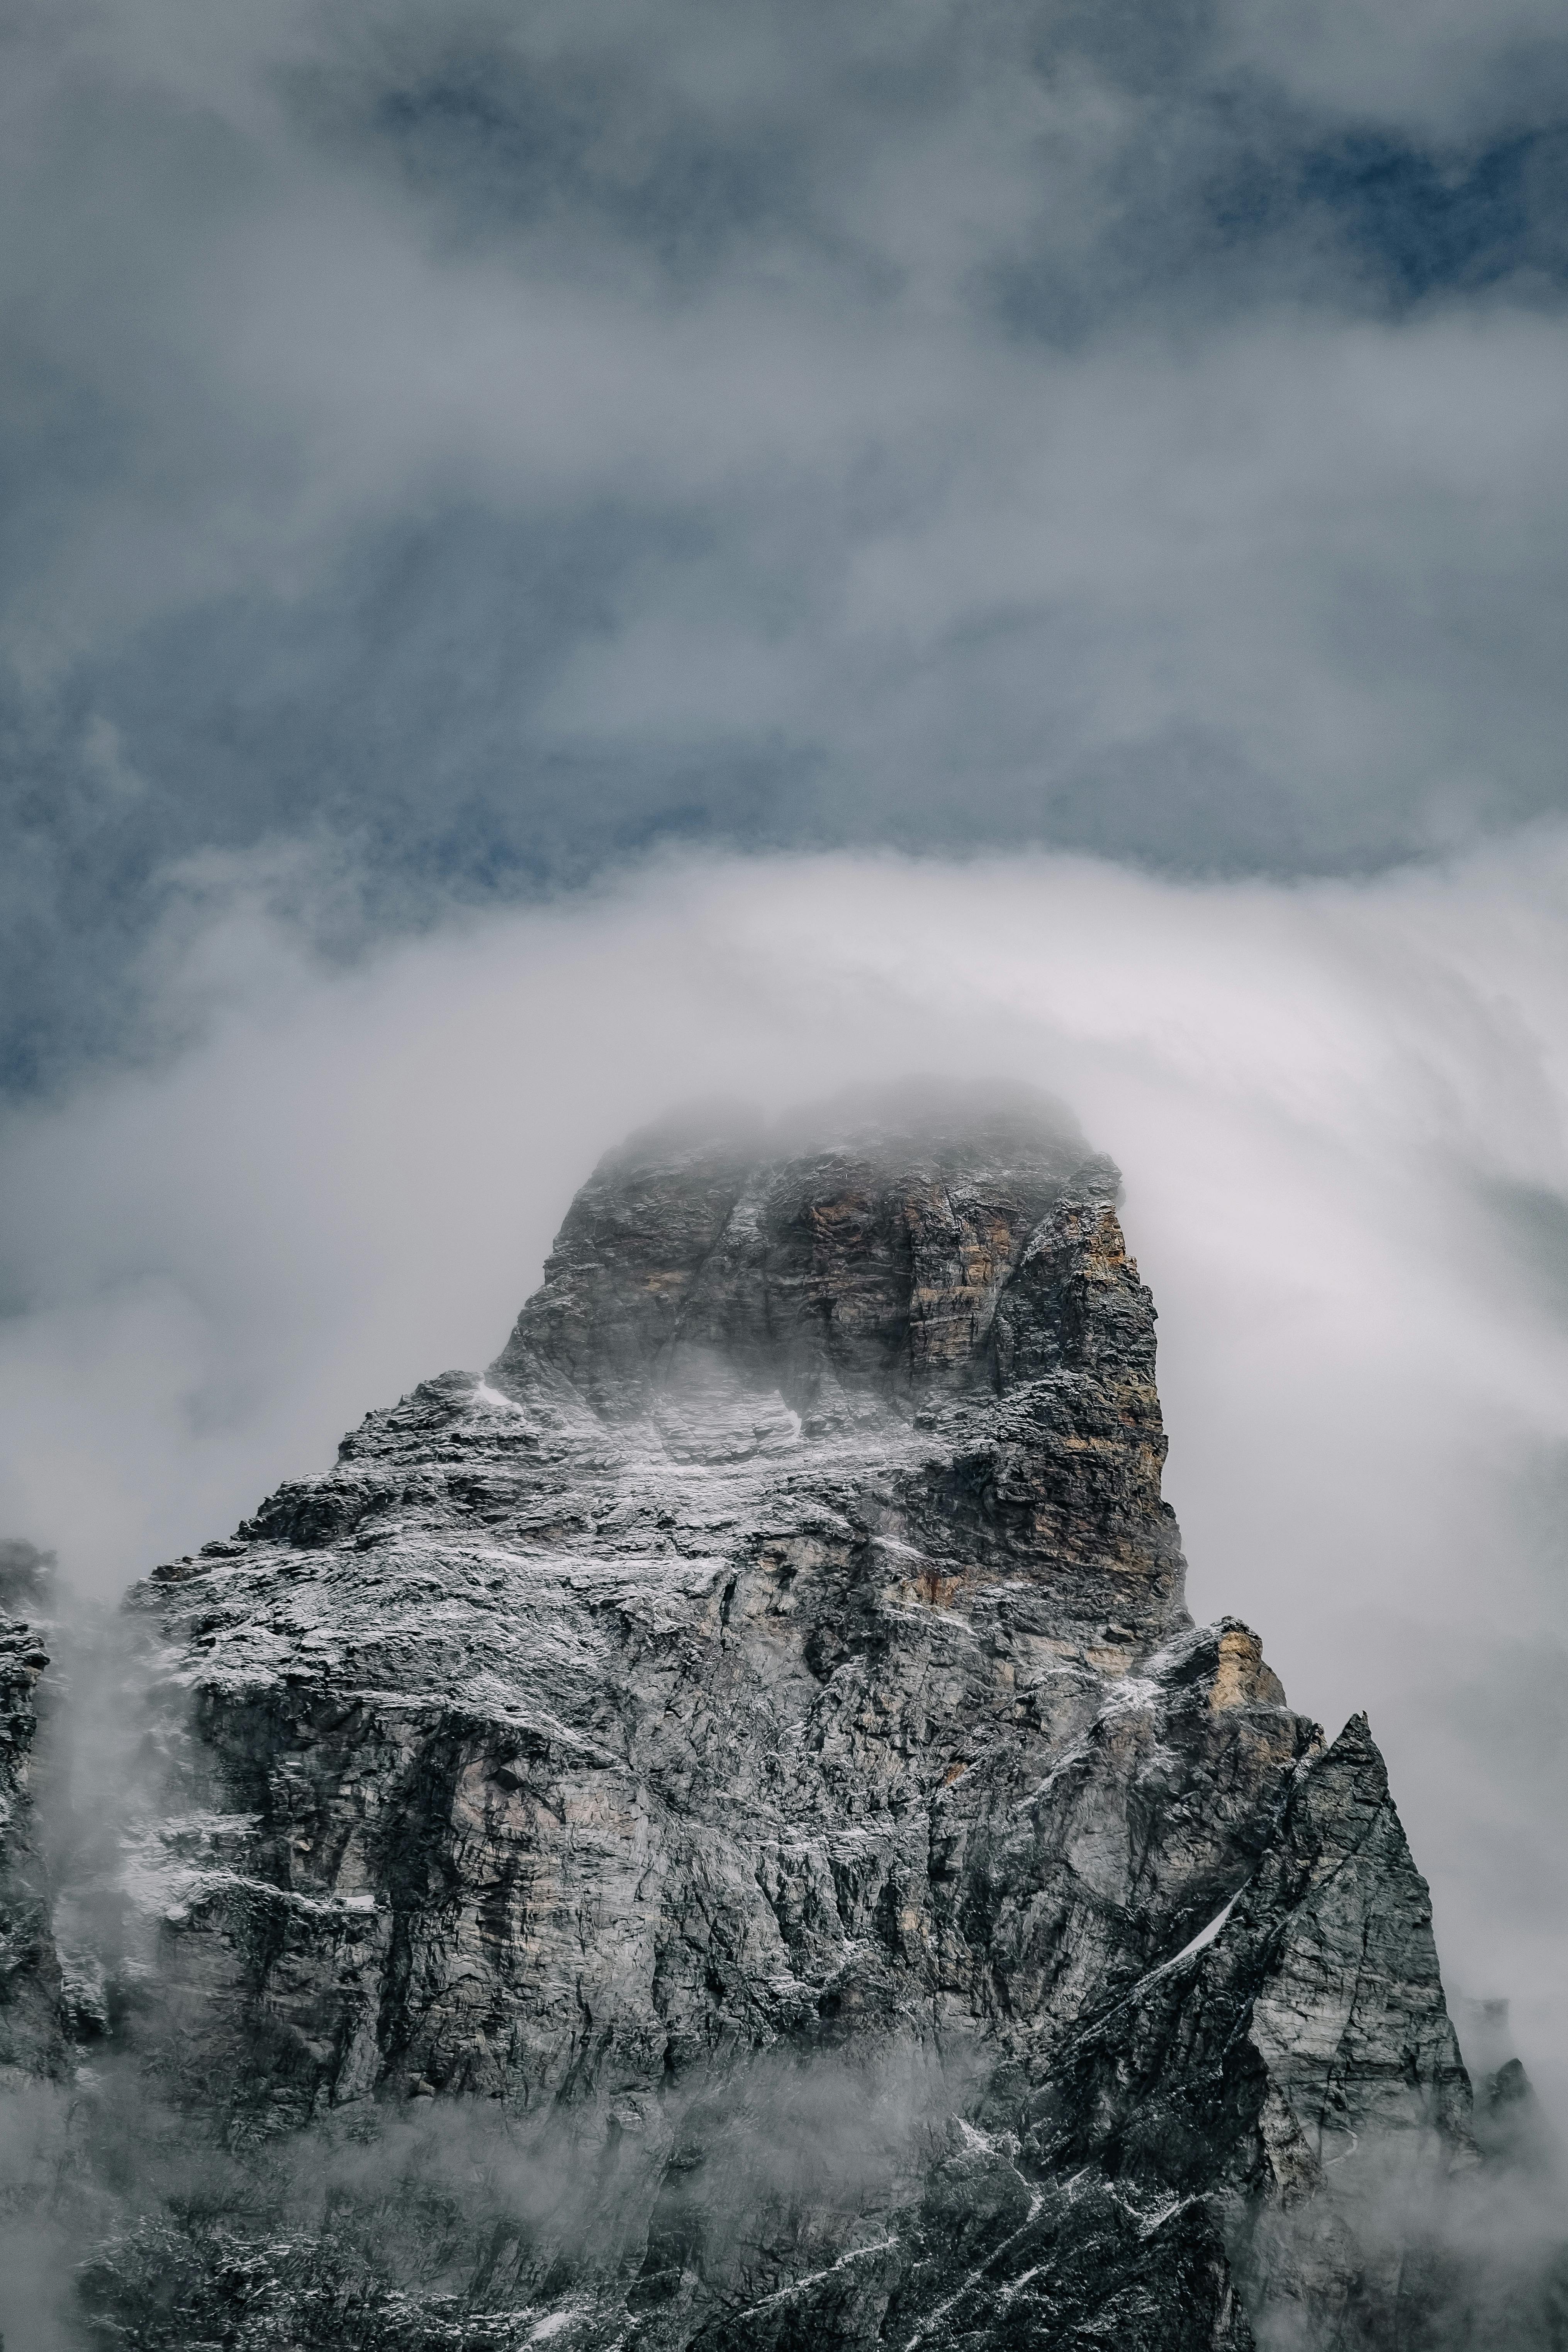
[(720, 1831)]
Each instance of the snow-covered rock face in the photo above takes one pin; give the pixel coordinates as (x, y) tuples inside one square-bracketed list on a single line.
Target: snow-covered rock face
[(751, 1743)]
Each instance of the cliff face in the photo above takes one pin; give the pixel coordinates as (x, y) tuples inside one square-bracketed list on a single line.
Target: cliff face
[(742, 1772), (31, 2041)]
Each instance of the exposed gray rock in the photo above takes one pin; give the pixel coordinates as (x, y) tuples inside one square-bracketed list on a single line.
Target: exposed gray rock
[(741, 1773), (31, 2042)]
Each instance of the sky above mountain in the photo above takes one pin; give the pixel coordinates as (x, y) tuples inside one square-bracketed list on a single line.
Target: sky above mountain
[(454, 450)]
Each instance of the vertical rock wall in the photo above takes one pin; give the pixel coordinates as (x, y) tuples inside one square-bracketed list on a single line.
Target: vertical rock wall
[(31, 2040)]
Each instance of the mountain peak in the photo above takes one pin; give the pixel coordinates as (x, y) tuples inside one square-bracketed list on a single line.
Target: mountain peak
[(744, 1771), (847, 1257)]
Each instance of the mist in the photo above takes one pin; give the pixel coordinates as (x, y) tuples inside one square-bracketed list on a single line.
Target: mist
[(451, 2202)]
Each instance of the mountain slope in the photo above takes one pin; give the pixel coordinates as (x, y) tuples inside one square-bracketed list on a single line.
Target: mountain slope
[(739, 1782)]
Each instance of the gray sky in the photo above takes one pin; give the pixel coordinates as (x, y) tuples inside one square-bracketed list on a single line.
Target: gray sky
[(468, 445), (561, 557)]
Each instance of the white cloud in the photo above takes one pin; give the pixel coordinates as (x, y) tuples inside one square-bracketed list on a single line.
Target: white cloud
[(1434, 66)]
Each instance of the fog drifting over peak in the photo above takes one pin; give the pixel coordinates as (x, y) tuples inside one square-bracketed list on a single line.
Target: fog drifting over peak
[(1339, 1111)]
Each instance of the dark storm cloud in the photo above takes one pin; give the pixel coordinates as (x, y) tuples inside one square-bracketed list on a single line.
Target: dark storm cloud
[(454, 451)]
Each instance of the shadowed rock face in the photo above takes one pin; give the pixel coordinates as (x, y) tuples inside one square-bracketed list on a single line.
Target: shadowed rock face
[(31, 2041), (842, 1279), (748, 1754)]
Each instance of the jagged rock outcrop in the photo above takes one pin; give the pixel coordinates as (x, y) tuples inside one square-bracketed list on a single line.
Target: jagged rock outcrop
[(748, 1754), (31, 2041)]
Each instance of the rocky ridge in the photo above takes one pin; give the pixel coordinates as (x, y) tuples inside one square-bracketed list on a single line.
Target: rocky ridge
[(723, 1828), (31, 2040)]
